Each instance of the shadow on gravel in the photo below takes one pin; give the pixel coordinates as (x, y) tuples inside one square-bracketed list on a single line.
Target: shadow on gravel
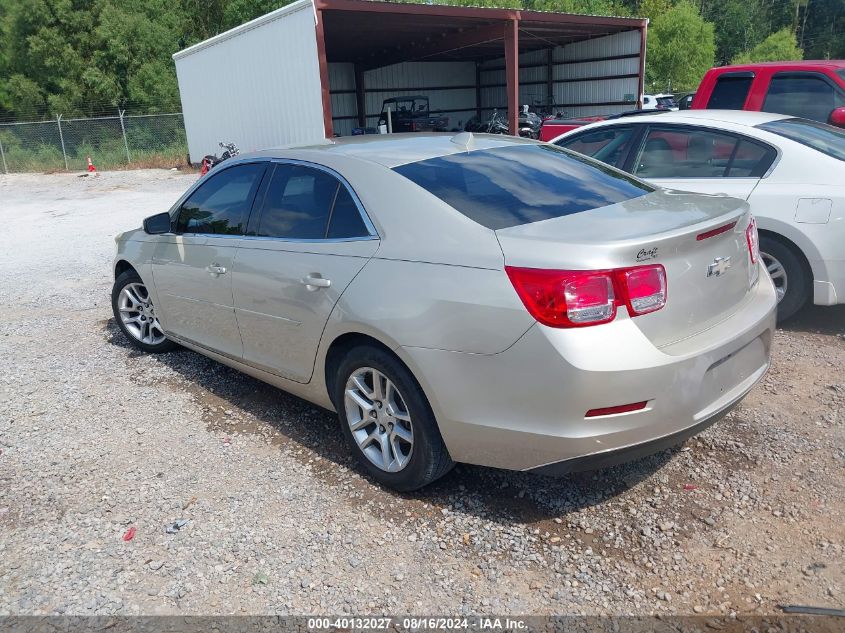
[(497, 495), (818, 319)]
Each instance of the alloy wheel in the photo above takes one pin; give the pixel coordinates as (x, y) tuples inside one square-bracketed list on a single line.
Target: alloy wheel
[(379, 419), (138, 314), (778, 274)]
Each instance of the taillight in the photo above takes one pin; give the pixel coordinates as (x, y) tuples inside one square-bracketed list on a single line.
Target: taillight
[(646, 289), (753, 240), (576, 298)]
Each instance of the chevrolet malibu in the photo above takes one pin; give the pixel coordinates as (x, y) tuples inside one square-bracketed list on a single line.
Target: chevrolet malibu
[(477, 299)]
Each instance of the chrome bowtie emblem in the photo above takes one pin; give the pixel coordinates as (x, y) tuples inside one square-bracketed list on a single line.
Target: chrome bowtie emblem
[(719, 267)]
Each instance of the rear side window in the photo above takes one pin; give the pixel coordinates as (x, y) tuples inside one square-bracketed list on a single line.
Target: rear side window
[(220, 206), (802, 94), (301, 203), (730, 91), (609, 145), (688, 152), (824, 138), (509, 186)]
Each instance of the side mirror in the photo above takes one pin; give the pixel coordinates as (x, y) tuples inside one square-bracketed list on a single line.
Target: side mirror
[(157, 224), (837, 117)]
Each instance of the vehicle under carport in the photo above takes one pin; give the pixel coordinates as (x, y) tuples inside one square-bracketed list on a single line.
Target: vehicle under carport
[(313, 70)]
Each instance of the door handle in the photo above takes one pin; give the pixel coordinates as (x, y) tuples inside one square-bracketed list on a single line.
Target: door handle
[(315, 281), (215, 270)]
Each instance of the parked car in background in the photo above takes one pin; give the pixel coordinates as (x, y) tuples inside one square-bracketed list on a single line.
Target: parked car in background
[(685, 101), (666, 102), (791, 171), (554, 127), (560, 322), (807, 89), (659, 102), (412, 114)]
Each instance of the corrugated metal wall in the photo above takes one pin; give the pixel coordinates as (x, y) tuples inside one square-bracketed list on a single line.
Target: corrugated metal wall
[(569, 64), (257, 85), (450, 87)]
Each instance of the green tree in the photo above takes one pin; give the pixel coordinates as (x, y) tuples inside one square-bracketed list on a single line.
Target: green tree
[(779, 46), (680, 50)]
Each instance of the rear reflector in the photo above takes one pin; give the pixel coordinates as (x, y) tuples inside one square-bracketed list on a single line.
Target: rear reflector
[(622, 408), (577, 298), (715, 232)]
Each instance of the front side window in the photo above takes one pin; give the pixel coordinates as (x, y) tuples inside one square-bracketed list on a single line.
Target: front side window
[(509, 186), (609, 145), (304, 203), (802, 94), (824, 138), (220, 206), (669, 152), (730, 91)]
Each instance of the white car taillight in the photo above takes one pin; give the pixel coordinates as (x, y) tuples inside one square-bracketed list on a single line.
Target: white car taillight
[(753, 240), (576, 298)]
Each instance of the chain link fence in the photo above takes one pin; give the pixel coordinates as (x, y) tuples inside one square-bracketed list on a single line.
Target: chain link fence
[(151, 140)]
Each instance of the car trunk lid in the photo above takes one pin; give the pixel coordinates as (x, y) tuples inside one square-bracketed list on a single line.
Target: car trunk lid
[(700, 240)]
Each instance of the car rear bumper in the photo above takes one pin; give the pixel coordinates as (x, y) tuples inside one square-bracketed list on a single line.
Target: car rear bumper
[(525, 408)]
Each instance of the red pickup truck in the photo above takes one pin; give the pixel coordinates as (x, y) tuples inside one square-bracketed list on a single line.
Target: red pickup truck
[(808, 89)]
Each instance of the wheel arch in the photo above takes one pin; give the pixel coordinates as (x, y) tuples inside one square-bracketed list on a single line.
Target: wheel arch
[(795, 248), (342, 342), (121, 266)]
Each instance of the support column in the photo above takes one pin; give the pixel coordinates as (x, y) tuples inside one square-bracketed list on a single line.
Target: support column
[(643, 34), (324, 75), (512, 74), (478, 89), (360, 101), (550, 77)]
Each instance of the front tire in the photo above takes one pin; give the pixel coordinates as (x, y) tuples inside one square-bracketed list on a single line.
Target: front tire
[(387, 420), (791, 278), (135, 315)]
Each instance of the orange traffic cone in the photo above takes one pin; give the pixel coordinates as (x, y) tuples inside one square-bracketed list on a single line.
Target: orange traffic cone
[(91, 165)]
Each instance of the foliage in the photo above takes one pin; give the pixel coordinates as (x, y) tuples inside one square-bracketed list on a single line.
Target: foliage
[(87, 57), (680, 50), (780, 46)]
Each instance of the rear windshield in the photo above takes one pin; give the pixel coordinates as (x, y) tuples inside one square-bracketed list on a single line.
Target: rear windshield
[(508, 186), (820, 136)]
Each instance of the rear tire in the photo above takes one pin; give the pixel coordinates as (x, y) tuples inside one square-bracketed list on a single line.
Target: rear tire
[(792, 280), (135, 315), (387, 420)]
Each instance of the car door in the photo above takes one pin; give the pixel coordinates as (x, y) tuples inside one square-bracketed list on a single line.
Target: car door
[(310, 238), (192, 266), (700, 159)]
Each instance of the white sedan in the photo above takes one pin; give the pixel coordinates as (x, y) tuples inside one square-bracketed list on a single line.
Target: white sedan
[(791, 171)]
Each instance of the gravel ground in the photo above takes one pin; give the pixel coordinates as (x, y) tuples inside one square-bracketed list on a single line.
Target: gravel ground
[(99, 440)]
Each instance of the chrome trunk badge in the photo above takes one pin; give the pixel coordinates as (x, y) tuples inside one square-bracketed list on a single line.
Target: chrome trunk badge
[(719, 267)]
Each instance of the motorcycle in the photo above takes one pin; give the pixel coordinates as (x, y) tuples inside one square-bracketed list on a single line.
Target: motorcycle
[(528, 125), (212, 160)]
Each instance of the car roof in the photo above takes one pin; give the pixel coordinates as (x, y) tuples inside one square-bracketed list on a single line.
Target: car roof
[(737, 117), (392, 150)]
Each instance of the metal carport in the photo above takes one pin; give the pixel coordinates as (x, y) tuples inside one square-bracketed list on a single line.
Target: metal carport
[(335, 60)]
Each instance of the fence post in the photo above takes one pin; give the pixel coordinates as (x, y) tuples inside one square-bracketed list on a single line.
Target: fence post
[(62, 139), (3, 154), (120, 113)]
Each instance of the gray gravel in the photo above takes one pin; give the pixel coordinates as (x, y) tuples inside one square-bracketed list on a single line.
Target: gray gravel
[(99, 441)]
